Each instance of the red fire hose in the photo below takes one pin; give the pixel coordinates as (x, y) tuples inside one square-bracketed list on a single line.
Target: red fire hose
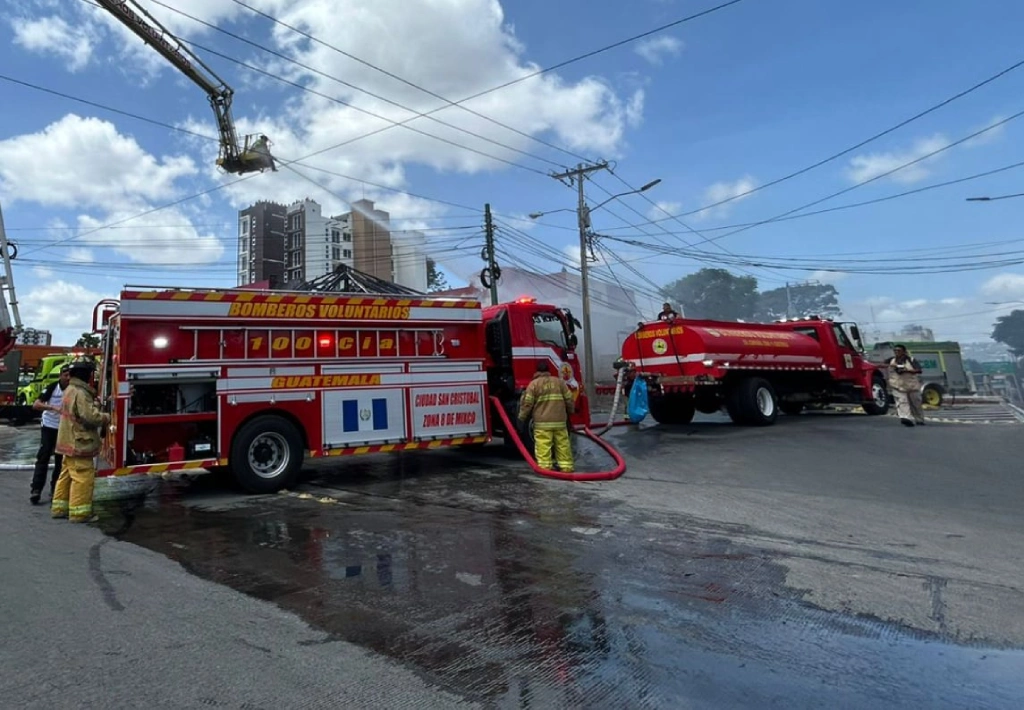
[(620, 463)]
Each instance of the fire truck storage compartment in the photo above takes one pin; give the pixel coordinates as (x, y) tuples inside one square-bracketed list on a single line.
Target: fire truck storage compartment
[(172, 416)]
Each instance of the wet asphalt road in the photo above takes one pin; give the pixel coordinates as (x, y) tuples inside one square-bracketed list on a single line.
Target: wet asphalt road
[(832, 561)]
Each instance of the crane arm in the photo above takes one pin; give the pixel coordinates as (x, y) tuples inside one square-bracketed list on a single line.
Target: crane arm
[(254, 155)]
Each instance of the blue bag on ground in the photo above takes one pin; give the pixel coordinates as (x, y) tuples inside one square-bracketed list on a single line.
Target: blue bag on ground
[(637, 407)]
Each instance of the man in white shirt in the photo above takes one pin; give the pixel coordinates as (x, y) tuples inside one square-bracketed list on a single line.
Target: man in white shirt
[(49, 404)]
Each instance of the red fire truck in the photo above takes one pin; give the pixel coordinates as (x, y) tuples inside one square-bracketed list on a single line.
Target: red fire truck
[(752, 369), (257, 380)]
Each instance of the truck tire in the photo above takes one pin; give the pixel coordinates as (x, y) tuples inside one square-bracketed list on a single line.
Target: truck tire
[(791, 408), (753, 402), (932, 395), (672, 410), (879, 403), (510, 446), (266, 454)]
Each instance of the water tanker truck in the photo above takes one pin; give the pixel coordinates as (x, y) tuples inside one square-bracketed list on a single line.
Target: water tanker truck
[(752, 370)]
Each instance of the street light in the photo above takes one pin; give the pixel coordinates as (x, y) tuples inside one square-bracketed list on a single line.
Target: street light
[(538, 215), (583, 216)]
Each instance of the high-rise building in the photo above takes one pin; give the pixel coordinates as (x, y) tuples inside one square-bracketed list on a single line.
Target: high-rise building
[(314, 244), (284, 245), (371, 240), (261, 244), (32, 336)]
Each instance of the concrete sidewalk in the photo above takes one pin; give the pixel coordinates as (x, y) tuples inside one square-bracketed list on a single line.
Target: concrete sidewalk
[(94, 622)]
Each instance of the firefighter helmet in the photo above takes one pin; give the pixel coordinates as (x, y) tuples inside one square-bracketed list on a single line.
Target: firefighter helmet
[(82, 366)]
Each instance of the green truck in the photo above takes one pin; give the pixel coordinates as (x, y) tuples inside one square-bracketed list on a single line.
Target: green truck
[(47, 372)]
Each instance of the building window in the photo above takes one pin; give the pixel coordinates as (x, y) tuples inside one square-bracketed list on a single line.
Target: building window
[(347, 253), (347, 237)]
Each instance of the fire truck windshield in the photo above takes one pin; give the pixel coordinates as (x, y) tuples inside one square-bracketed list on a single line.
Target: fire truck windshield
[(549, 328)]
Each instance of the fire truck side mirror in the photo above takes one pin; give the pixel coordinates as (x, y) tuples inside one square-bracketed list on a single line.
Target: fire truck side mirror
[(573, 341)]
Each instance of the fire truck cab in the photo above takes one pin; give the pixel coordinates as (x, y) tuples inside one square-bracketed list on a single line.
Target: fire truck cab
[(255, 381)]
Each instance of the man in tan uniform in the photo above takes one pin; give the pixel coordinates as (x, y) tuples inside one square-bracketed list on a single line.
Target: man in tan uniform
[(78, 441), (906, 386), (548, 399)]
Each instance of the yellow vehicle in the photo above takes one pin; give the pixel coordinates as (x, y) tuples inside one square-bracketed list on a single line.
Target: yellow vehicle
[(47, 372)]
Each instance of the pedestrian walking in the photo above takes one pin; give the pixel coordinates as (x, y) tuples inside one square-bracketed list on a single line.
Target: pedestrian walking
[(906, 387), (78, 440), (48, 403), (549, 402)]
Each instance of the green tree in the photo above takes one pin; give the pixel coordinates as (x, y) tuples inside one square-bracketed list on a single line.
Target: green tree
[(715, 294), (88, 340), (1009, 330), (801, 300), (435, 279)]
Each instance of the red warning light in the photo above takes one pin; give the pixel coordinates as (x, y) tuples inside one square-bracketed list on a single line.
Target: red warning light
[(526, 299), (324, 341)]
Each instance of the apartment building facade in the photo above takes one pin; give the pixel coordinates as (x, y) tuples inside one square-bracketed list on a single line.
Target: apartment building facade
[(287, 245)]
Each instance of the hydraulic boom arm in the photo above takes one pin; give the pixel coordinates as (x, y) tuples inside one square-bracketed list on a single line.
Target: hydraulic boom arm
[(255, 153)]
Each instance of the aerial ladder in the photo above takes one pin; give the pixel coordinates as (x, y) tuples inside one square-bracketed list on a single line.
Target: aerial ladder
[(254, 154), (8, 329)]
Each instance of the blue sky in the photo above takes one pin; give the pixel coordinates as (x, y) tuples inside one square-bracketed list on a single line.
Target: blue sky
[(712, 107)]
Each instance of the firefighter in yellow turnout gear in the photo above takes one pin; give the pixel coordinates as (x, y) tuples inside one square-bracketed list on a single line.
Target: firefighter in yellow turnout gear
[(549, 401), (78, 441)]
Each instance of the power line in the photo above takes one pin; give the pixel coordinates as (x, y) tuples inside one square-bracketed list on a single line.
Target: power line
[(531, 75), (341, 102), (862, 143), (862, 183), (296, 62), (703, 237), (874, 201)]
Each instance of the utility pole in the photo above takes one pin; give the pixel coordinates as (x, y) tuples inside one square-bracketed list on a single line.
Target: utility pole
[(492, 272), (789, 302), (579, 174)]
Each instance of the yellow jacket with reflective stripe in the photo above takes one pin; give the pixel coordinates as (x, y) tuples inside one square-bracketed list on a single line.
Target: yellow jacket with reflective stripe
[(80, 421), (549, 400)]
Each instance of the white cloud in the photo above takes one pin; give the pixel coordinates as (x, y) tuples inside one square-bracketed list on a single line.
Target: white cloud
[(871, 165), (731, 191), (573, 252), (54, 35), (1004, 286), (827, 277), (61, 307), (656, 49), (993, 134), (660, 207), (79, 162), (169, 238), (635, 109), (81, 255), (962, 318)]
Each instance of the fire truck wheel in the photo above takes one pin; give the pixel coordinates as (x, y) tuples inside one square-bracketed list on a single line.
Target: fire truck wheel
[(266, 454), (753, 402), (879, 403), (526, 434)]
